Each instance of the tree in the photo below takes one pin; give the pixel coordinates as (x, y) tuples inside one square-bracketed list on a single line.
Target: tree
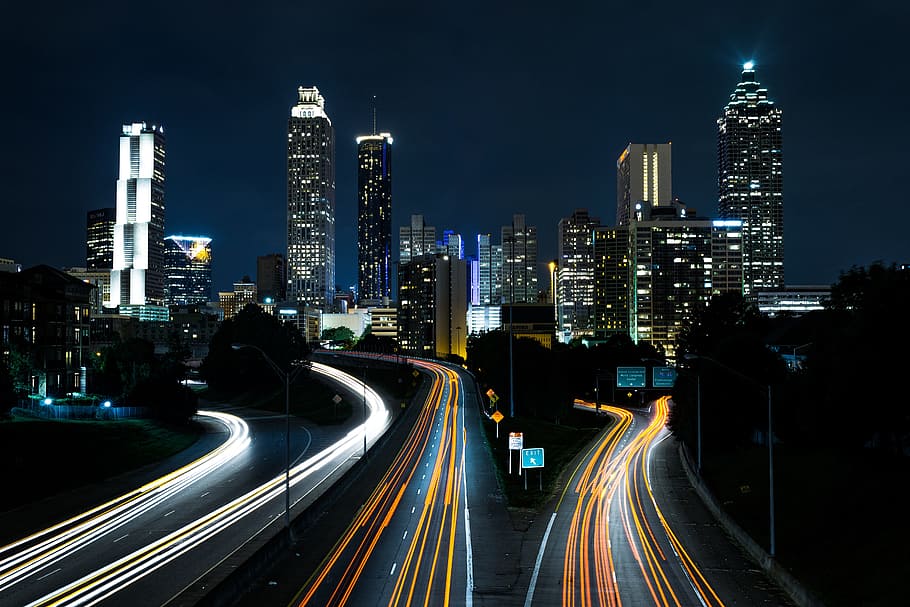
[(236, 370), (338, 335)]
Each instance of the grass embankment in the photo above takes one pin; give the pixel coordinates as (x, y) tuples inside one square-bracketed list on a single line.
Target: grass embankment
[(561, 443), (841, 520), (40, 458)]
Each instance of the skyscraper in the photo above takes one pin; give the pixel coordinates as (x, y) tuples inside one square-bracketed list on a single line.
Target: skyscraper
[(416, 239), (452, 244), (99, 238), (137, 278), (519, 261), (271, 277), (750, 180), (575, 277), (188, 270), (374, 215), (643, 174), (489, 271), (311, 202)]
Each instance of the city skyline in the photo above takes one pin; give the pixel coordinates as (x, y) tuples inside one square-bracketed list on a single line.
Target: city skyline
[(233, 186)]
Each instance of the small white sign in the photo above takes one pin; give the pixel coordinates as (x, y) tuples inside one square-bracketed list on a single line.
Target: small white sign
[(516, 441)]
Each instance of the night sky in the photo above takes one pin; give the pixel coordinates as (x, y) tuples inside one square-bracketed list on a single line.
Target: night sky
[(495, 109)]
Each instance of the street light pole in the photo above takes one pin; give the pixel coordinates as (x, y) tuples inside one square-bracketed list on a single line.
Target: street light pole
[(772, 539), (286, 376)]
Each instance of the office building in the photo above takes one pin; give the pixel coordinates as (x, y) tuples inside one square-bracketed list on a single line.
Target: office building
[(100, 279), (489, 271), (612, 266), (374, 216), (519, 262), (432, 308), (416, 239), (188, 270), (452, 244), (137, 277), (311, 202), (575, 275), (750, 180), (643, 175), (793, 300), (234, 301), (271, 277), (99, 238)]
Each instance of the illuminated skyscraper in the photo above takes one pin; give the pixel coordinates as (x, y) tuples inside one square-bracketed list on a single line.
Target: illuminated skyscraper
[(99, 238), (643, 174), (311, 202), (374, 215), (750, 180), (188, 268), (519, 261), (575, 278), (416, 239), (137, 278), (489, 271)]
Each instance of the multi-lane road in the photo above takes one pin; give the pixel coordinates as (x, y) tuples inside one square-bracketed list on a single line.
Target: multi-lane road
[(150, 543)]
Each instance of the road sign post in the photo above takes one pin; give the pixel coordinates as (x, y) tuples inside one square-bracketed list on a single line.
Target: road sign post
[(533, 458), (516, 442), (497, 417)]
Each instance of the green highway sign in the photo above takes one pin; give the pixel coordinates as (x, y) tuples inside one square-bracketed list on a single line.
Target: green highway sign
[(631, 377), (663, 377)]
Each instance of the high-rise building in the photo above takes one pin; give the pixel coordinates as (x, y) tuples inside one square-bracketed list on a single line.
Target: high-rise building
[(653, 275), (452, 244), (575, 275), (271, 277), (137, 278), (416, 239), (99, 238), (432, 306), (519, 261), (374, 216), (311, 202), (489, 271), (234, 301), (750, 180), (188, 270), (643, 175)]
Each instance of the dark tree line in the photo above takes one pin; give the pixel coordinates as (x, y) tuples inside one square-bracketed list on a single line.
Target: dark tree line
[(847, 392)]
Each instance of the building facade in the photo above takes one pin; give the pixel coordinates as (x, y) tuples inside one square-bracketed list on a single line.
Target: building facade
[(99, 238), (489, 271), (750, 180), (416, 239), (374, 216), (519, 261), (137, 277), (612, 267), (271, 277), (643, 175), (575, 275), (311, 202), (432, 306), (234, 301), (188, 270)]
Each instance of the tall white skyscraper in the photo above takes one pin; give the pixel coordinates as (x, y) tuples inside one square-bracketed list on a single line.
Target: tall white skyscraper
[(137, 276), (575, 280), (311, 202), (643, 175), (489, 271)]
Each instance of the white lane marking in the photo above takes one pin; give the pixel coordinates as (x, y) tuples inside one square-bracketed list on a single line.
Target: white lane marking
[(121, 537), (412, 509), (418, 492), (51, 573), (204, 494), (405, 535), (170, 513), (543, 546), (392, 572)]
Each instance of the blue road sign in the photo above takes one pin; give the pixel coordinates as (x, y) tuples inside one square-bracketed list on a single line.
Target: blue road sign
[(663, 377), (631, 377), (532, 458)]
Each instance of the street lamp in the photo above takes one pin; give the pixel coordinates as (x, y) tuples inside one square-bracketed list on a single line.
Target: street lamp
[(763, 387), (286, 377)]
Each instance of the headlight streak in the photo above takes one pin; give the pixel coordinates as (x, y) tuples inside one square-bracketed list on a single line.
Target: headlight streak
[(429, 551), (59, 541), (113, 578), (621, 477)]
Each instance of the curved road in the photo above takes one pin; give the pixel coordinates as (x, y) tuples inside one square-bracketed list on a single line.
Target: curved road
[(151, 543)]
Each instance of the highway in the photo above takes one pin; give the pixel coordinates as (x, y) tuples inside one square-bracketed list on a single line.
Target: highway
[(154, 541), (409, 544), (620, 535)]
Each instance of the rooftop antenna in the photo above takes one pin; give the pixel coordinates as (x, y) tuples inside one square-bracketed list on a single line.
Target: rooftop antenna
[(374, 114)]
